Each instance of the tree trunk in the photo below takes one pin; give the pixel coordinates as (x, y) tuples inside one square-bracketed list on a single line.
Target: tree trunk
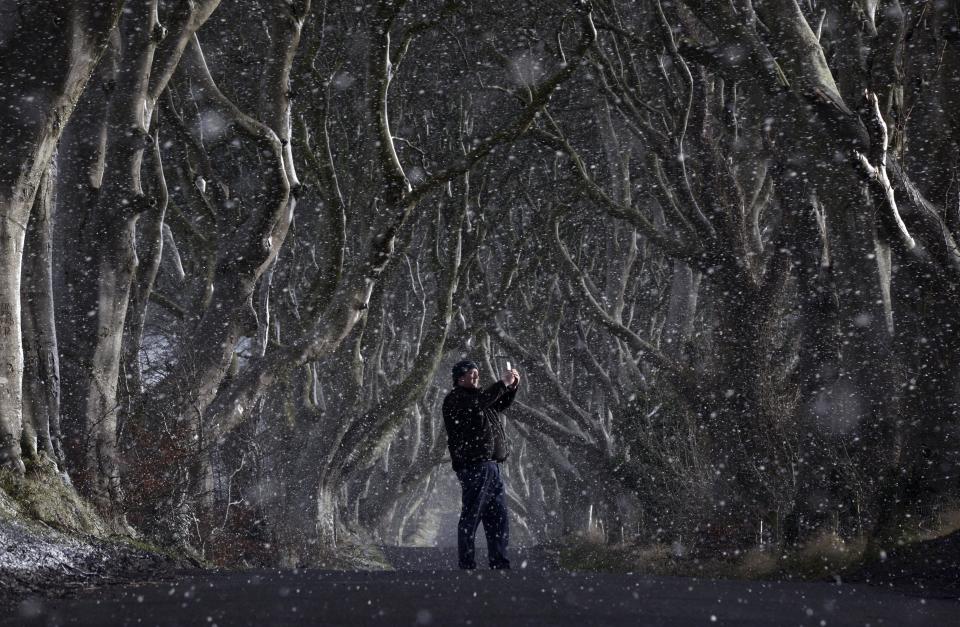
[(12, 226), (149, 253), (310, 530), (80, 162), (69, 38), (116, 268), (684, 291), (41, 401), (126, 193)]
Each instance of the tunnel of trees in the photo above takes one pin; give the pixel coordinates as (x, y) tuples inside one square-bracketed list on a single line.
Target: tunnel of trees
[(243, 242)]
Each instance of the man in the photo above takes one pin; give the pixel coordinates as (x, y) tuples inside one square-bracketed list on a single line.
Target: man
[(478, 445)]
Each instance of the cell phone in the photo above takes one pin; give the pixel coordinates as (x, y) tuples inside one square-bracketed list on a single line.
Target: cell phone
[(509, 366)]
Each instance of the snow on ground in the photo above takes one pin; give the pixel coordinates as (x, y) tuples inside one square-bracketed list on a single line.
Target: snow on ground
[(37, 560)]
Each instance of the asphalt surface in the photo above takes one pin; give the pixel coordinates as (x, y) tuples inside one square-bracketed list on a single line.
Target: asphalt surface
[(422, 594)]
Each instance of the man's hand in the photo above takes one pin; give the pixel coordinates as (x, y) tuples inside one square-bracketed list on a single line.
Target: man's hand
[(511, 378)]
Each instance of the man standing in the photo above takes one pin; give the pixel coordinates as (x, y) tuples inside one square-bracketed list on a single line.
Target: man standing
[(478, 445)]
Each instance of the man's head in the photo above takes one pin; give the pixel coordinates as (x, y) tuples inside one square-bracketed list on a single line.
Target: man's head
[(466, 374)]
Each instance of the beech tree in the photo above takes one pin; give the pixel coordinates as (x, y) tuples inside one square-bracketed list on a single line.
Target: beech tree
[(764, 148), (718, 239), (39, 100)]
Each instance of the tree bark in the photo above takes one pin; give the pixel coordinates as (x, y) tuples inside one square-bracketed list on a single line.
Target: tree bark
[(41, 401), (70, 38), (125, 194)]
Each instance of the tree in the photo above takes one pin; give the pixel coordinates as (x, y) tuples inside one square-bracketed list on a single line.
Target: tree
[(39, 101)]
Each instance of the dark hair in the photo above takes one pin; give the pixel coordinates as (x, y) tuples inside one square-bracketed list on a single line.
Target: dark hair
[(461, 368)]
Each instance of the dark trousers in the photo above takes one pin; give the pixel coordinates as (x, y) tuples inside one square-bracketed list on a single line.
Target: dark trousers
[(484, 501)]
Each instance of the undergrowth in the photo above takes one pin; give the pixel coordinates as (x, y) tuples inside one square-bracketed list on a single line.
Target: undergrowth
[(42, 496), (823, 557)]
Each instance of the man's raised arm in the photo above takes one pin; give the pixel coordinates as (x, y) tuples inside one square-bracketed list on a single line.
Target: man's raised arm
[(500, 395)]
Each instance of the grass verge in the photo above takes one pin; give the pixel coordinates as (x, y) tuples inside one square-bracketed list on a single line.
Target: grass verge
[(41, 496), (824, 557)]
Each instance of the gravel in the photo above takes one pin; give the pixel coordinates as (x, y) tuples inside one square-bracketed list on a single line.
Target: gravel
[(39, 561)]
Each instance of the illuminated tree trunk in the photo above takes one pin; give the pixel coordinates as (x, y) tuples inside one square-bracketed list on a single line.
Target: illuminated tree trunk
[(69, 38)]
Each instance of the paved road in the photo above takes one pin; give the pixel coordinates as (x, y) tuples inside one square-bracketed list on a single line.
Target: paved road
[(524, 596)]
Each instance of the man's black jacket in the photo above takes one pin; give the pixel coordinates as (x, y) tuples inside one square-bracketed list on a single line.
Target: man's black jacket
[(474, 431)]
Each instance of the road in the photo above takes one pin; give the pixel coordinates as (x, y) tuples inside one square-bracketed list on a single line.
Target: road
[(423, 594)]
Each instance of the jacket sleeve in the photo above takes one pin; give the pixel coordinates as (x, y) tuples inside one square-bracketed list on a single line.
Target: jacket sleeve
[(505, 399), (490, 397)]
